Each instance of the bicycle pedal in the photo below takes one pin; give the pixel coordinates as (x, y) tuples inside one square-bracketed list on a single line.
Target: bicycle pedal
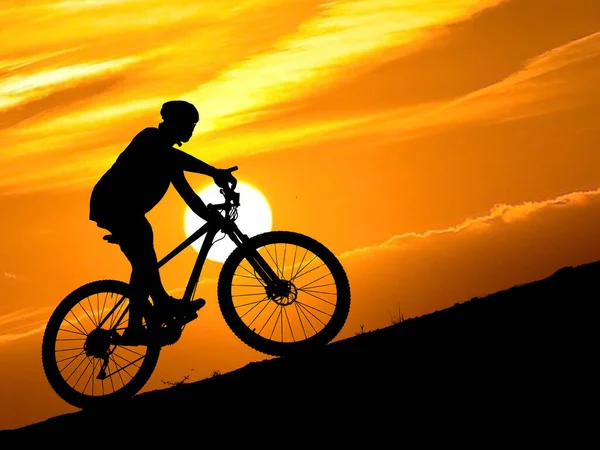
[(198, 304), (180, 321), (188, 318)]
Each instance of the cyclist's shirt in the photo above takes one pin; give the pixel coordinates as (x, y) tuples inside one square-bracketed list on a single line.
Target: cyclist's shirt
[(136, 182)]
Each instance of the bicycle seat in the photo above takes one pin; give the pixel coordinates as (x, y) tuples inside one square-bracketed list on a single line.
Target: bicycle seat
[(111, 239)]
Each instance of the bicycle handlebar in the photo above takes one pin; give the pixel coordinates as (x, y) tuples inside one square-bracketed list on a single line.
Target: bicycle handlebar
[(232, 198)]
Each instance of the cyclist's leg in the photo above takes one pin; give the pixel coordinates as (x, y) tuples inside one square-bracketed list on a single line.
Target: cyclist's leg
[(136, 240), (136, 281)]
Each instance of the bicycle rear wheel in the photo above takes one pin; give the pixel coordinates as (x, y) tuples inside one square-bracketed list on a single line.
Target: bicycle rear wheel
[(80, 353), (312, 311)]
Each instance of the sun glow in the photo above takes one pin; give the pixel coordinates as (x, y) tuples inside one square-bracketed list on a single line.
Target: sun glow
[(254, 217)]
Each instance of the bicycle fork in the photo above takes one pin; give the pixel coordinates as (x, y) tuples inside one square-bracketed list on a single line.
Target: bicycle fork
[(274, 286)]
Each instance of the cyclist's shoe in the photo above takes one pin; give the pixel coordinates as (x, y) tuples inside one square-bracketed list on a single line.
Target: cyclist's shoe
[(134, 335), (181, 311)]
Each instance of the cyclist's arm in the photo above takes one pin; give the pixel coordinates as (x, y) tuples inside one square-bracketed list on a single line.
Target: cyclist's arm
[(188, 163), (188, 195)]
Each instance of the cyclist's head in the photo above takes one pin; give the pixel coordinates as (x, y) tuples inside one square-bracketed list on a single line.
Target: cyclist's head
[(179, 119)]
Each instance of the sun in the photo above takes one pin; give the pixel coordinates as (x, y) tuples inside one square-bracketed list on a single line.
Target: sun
[(254, 217)]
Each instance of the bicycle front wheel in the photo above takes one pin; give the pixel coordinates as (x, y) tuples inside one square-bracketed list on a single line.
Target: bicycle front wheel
[(80, 353), (311, 311)]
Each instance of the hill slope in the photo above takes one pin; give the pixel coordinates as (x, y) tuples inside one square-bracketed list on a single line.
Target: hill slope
[(522, 354)]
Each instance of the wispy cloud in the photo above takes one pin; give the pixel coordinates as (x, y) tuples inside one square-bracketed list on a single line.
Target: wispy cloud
[(20, 88), (344, 34), (501, 212), (16, 317), (22, 323), (520, 94), (201, 51), (10, 337), (546, 84)]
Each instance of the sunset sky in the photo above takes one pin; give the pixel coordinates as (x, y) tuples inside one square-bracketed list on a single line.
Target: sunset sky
[(442, 149)]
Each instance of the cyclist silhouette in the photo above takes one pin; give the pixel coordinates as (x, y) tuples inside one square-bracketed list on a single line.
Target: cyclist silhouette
[(136, 182)]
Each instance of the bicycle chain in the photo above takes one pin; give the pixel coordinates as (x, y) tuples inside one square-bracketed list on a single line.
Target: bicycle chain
[(177, 331)]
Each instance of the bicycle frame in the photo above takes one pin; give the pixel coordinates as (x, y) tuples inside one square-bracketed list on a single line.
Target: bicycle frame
[(215, 222), (210, 229)]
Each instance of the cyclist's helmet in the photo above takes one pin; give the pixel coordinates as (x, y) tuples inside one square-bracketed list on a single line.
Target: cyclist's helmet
[(179, 111)]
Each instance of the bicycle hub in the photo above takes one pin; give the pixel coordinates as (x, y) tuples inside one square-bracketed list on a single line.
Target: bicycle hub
[(98, 343), (284, 294)]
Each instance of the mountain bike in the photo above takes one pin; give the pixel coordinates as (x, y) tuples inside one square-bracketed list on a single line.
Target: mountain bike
[(280, 292)]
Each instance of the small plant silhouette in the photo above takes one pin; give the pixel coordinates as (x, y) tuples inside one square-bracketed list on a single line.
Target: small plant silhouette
[(176, 383), (362, 330), (397, 318)]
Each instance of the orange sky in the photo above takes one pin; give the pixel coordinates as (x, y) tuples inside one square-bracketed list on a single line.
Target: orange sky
[(443, 149)]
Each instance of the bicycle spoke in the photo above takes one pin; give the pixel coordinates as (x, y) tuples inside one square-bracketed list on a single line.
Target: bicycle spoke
[(318, 279), (289, 326), (317, 297), (112, 314), (71, 331), (255, 303), (117, 314), (74, 326), (300, 270), (67, 349), (92, 319), (129, 349), (117, 371), (72, 358), (250, 295), (293, 275), (250, 324), (299, 308), (316, 294), (300, 320), (74, 371), (274, 260), (309, 271), (124, 368), (103, 315), (253, 277), (129, 362), (91, 376), (284, 255), (100, 310), (255, 286), (252, 273), (294, 261), (268, 319), (303, 287), (307, 308), (276, 322)]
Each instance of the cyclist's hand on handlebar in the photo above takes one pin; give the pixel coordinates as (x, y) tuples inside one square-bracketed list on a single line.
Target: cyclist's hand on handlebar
[(224, 179)]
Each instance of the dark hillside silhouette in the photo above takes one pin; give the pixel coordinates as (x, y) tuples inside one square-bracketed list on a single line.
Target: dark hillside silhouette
[(518, 359)]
